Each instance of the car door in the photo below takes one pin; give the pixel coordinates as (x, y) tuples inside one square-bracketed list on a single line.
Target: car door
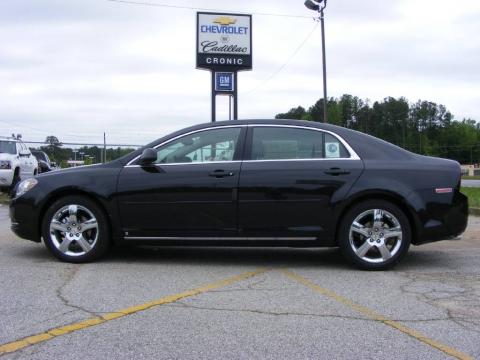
[(291, 180), (22, 160), (30, 160), (190, 191)]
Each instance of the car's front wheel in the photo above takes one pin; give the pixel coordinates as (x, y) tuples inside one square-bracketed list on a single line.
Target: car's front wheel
[(75, 229), (374, 235)]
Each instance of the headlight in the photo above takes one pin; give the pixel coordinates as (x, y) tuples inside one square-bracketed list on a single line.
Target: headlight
[(25, 186), (5, 164)]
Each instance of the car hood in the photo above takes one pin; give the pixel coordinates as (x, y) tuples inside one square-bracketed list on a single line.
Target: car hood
[(80, 169), (5, 156)]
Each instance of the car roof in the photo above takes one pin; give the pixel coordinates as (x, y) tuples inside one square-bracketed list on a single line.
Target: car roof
[(9, 138), (366, 146)]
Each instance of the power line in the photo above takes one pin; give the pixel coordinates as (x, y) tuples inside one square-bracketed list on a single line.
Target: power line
[(144, 3), (285, 64), (84, 144)]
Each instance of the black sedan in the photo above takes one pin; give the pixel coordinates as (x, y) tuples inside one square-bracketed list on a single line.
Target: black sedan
[(249, 183)]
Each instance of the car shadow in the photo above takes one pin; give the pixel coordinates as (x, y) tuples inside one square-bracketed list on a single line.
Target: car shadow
[(294, 258), (228, 256)]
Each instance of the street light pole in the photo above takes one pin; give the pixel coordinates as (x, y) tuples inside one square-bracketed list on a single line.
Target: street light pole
[(319, 6), (324, 61)]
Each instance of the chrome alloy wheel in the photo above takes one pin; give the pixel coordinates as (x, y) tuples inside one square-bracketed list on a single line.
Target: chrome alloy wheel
[(74, 230), (375, 236)]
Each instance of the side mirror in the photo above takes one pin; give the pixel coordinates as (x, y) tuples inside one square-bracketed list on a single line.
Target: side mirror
[(24, 153), (148, 157), (44, 167)]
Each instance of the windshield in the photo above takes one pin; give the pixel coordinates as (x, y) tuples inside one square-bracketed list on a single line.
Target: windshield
[(8, 147), (40, 156)]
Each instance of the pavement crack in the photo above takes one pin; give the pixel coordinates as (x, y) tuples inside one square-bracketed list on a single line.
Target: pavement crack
[(457, 295), (60, 295), (183, 305)]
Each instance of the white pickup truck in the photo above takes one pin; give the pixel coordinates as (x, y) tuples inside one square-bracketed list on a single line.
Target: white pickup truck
[(16, 163)]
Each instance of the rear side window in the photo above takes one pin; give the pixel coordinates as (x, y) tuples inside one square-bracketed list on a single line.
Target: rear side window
[(272, 143), (334, 149)]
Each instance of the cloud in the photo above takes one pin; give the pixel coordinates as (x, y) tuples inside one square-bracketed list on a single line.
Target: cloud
[(76, 69)]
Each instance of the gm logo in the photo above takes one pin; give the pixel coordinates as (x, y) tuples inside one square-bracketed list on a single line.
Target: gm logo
[(224, 81)]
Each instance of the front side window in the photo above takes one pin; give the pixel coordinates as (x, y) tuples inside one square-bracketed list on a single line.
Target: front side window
[(205, 146), (272, 143)]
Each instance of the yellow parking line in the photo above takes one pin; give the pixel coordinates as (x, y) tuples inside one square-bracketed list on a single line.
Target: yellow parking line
[(377, 317), (63, 330)]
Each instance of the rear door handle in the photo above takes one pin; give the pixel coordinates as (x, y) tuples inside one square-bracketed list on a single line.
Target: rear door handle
[(336, 172), (221, 174)]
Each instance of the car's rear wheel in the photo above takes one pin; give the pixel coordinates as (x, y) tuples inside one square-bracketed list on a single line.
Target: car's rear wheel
[(374, 235), (75, 229)]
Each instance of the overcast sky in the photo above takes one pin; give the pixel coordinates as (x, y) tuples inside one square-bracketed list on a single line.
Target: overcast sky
[(77, 68)]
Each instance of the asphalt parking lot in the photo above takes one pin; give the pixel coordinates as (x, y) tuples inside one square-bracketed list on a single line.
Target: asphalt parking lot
[(195, 303)]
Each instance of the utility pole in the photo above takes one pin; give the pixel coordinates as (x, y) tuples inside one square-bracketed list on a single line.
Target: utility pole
[(319, 6), (104, 149)]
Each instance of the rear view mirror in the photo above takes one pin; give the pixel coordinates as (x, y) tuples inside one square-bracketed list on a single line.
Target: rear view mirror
[(187, 141), (148, 157)]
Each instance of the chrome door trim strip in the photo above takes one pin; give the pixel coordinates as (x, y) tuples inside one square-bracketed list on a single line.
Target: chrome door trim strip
[(219, 238)]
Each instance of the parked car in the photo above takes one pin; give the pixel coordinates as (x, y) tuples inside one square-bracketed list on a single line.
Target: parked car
[(249, 183), (16, 163), (44, 164)]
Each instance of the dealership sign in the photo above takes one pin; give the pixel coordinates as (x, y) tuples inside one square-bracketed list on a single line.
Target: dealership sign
[(224, 41)]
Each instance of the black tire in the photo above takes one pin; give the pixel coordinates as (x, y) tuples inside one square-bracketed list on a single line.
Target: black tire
[(399, 245), (15, 181), (100, 236)]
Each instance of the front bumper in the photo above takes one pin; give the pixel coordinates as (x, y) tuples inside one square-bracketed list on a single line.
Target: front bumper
[(23, 221), (6, 177)]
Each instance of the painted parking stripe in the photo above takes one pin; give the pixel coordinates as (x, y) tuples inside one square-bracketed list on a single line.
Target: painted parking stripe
[(377, 317), (63, 330)]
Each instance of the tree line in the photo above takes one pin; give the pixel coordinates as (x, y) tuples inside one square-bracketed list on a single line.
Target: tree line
[(423, 127)]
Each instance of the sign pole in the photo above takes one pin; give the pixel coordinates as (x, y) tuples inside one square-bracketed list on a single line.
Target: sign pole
[(235, 97), (214, 98)]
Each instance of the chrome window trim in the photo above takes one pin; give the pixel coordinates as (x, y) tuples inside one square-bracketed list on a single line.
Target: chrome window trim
[(182, 135), (191, 163), (353, 154)]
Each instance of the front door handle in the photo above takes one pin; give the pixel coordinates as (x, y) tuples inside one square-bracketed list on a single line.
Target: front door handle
[(336, 172), (221, 174)]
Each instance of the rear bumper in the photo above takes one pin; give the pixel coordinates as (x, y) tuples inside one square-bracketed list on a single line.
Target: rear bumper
[(445, 219)]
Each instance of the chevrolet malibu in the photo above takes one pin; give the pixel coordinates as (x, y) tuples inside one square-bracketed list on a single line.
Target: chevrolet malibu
[(249, 183)]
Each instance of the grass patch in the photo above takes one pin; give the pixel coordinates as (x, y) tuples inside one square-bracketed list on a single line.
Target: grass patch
[(4, 198), (470, 177), (473, 195)]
